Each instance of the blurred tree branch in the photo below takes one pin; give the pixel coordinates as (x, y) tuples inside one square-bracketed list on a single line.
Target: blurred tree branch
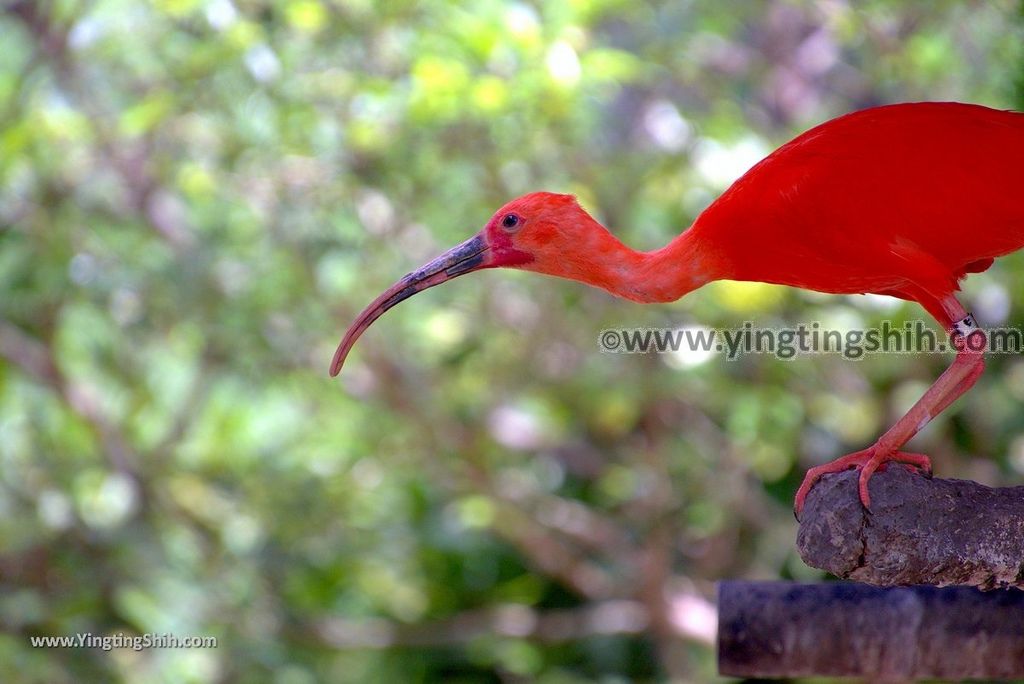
[(38, 361), (602, 564), (615, 616), (159, 207)]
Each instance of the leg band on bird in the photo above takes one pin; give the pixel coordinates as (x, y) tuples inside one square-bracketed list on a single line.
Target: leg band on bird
[(966, 325), (968, 336)]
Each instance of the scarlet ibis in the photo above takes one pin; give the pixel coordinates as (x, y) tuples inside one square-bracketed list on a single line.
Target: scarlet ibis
[(902, 200)]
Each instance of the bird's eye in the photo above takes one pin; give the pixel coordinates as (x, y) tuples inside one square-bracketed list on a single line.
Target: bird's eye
[(510, 221)]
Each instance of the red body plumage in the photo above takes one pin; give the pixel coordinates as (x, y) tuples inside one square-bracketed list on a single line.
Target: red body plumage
[(901, 200)]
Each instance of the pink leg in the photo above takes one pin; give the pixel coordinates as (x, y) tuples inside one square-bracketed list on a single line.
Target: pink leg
[(956, 380)]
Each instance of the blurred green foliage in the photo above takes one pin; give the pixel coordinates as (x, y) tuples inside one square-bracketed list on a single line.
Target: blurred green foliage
[(197, 196)]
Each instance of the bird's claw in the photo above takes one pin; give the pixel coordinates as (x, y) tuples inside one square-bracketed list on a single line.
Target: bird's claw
[(867, 461)]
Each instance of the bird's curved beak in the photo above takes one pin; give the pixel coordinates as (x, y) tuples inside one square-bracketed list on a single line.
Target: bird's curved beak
[(471, 255)]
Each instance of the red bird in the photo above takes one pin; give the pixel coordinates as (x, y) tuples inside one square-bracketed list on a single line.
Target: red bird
[(902, 200)]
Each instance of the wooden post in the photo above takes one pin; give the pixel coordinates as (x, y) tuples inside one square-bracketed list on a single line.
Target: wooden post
[(846, 629), (920, 530)]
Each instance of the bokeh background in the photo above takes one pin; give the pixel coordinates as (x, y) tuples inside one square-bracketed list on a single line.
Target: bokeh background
[(196, 198)]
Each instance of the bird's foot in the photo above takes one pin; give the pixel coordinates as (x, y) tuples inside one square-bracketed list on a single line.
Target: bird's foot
[(868, 461)]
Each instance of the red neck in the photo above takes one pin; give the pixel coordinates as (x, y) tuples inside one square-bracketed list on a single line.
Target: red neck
[(662, 275)]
